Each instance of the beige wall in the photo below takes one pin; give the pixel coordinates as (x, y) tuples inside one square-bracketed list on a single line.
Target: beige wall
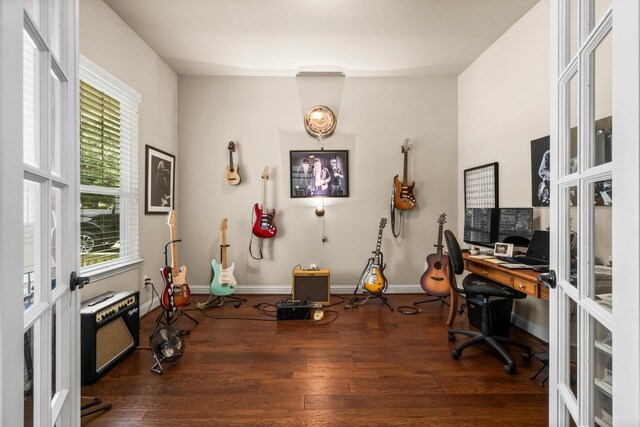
[(107, 41), (264, 117)]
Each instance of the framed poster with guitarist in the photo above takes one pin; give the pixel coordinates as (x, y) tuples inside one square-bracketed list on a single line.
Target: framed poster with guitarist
[(160, 168), (321, 173)]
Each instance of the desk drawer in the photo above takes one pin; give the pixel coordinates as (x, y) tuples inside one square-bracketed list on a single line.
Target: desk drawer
[(489, 273), (530, 288)]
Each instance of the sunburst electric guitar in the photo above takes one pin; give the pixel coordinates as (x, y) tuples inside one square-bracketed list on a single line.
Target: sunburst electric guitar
[(264, 225), (372, 279), (435, 280), (223, 282), (403, 197), (233, 178), (174, 276)]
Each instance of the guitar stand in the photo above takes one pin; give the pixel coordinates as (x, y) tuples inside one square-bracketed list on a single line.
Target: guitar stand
[(354, 301), (441, 299), (95, 401), (172, 319), (218, 301)]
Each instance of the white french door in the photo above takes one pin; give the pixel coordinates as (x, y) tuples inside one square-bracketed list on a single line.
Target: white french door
[(40, 319), (595, 124)]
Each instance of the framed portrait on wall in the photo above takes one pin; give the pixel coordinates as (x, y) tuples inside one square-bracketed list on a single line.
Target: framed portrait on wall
[(323, 173), (481, 186), (160, 169)]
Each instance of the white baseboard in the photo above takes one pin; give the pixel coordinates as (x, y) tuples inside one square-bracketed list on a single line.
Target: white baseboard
[(534, 329)]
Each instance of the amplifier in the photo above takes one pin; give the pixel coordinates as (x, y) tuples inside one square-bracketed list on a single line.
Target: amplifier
[(311, 285), (295, 310), (109, 332)]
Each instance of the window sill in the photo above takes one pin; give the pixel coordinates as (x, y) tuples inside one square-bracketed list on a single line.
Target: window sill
[(98, 273)]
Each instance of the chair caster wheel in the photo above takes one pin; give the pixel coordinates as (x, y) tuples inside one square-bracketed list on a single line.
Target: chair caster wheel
[(510, 368), (451, 337), (526, 355), (455, 354)]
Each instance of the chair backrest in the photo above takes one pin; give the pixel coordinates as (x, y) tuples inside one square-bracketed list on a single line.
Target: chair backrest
[(456, 263)]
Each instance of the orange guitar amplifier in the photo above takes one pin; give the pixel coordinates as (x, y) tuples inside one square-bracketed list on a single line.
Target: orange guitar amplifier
[(313, 285)]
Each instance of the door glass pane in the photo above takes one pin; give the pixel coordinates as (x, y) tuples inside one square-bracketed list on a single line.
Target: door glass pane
[(33, 7), (600, 8), (56, 203), (602, 87), (28, 377), (573, 126), (55, 325), (572, 370), (32, 240), (570, 257), (31, 102), (602, 231), (56, 111), (55, 20), (602, 375), (573, 28)]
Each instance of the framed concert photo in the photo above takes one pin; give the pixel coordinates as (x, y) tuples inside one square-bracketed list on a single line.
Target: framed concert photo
[(160, 177), (323, 173), (481, 186)]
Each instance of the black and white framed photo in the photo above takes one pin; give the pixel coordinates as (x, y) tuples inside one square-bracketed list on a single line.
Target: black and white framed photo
[(323, 173), (481, 186), (503, 249), (160, 168)]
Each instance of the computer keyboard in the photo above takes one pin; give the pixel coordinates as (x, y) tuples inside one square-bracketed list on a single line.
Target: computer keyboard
[(523, 260)]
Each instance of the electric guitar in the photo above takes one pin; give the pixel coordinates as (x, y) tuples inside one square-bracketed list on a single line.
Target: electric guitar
[(403, 198), (232, 171), (372, 279), (223, 282), (435, 280), (176, 292), (264, 225)]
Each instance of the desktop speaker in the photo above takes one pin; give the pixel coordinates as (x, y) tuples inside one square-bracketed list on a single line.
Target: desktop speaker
[(109, 332), (312, 285)]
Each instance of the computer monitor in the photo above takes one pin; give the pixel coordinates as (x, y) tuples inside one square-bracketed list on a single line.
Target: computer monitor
[(515, 225), (481, 226)]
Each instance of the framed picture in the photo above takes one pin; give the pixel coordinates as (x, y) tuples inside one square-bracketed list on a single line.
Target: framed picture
[(503, 249), (481, 186), (540, 171), (160, 172), (323, 173)]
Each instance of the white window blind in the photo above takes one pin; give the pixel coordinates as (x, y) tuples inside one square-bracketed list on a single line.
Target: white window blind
[(108, 171)]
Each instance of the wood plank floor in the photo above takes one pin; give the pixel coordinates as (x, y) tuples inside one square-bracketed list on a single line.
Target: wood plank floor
[(369, 367)]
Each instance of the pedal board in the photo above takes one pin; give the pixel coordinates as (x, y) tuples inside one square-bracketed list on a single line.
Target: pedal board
[(295, 310)]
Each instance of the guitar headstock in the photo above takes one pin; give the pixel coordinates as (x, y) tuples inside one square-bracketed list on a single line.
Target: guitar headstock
[(232, 146), (383, 223), (442, 218), (405, 145), (265, 173), (223, 224), (171, 217)]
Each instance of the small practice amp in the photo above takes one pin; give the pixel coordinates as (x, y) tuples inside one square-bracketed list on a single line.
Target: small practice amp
[(109, 332), (312, 285), (294, 310)]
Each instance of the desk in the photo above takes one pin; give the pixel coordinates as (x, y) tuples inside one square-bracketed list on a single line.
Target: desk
[(525, 280)]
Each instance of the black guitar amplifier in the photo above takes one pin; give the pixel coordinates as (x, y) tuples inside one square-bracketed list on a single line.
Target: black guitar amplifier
[(109, 332)]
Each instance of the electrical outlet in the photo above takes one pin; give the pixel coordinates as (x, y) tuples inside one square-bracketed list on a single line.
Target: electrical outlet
[(146, 280)]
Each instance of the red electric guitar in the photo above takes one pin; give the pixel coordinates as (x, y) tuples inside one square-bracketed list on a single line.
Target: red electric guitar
[(264, 225), (435, 281), (176, 292)]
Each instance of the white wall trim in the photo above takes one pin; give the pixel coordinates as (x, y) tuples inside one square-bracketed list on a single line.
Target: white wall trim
[(526, 325), (286, 289)]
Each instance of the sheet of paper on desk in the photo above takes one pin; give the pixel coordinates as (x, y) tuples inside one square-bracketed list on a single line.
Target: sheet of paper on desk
[(494, 260), (515, 266), (480, 256)]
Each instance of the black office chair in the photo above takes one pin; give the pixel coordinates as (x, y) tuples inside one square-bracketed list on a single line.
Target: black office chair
[(474, 285)]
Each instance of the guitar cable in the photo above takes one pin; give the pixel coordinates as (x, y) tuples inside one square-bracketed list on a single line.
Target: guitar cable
[(393, 214)]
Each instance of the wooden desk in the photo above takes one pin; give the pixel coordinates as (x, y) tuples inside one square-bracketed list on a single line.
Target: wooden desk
[(523, 280)]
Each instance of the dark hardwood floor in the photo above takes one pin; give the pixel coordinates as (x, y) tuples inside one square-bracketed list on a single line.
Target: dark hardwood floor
[(370, 366)]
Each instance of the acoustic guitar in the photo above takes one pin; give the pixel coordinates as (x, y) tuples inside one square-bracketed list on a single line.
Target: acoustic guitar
[(176, 292), (403, 197), (372, 279), (223, 282), (233, 178), (435, 280), (264, 225)]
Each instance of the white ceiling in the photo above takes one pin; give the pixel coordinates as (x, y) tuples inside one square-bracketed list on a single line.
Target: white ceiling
[(283, 37)]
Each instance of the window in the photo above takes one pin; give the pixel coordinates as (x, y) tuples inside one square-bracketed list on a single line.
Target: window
[(108, 171)]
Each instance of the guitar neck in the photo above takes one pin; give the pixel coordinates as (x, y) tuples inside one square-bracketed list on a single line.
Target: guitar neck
[(264, 198), (175, 267), (224, 249), (439, 247), (230, 160), (378, 245), (404, 174)]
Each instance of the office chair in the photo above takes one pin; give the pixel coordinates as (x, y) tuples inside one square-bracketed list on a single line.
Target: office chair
[(474, 285)]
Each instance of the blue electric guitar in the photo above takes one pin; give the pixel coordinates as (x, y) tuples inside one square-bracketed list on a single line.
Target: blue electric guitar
[(223, 282)]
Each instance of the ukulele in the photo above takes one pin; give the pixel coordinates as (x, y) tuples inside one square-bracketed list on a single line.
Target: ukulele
[(264, 225), (232, 171), (223, 282), (372, 279), (435, 280), (176, 292), (403, 198)]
